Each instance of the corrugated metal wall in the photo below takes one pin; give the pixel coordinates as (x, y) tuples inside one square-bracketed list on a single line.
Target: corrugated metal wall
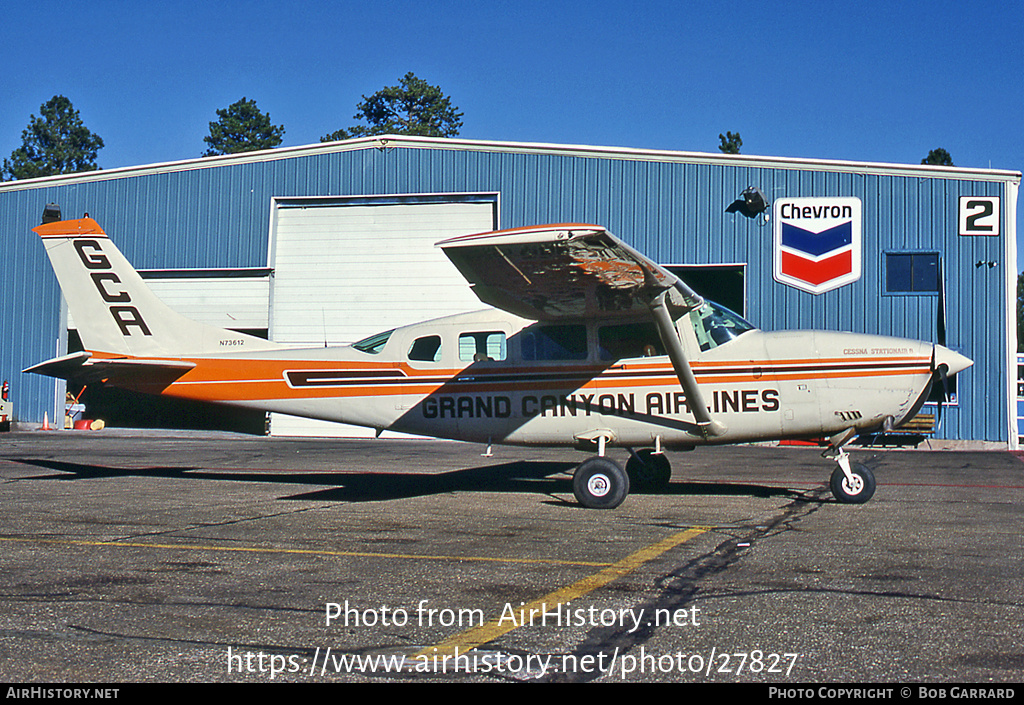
[(215, 214)]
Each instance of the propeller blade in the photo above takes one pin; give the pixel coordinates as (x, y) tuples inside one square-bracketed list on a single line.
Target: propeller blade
[(941, 372), (946, 362)]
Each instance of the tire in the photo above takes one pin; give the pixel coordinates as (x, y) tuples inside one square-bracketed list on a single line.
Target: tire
[(857, 493), (600, 483), (648, 471)]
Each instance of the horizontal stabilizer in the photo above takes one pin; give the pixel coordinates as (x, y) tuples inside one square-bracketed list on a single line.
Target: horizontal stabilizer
[(61, 367), (119, 372)]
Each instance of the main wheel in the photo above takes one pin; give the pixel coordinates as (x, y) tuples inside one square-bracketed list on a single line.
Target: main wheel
[(858, 491), (599, 483), (648, 470)]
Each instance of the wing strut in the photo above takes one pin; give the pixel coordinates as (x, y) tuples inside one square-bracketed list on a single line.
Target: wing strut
[(670, 337)]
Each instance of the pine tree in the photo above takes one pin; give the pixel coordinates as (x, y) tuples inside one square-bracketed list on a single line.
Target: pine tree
[(413, 107), (56, 142), (241, 127)]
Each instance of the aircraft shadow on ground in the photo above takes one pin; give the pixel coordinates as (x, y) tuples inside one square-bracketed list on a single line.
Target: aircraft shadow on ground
[(538, 477)]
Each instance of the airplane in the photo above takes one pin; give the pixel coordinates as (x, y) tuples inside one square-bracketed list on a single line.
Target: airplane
[(586, 344)]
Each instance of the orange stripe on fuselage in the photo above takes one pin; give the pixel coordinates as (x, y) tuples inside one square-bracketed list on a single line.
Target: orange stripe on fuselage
[(241, 380)]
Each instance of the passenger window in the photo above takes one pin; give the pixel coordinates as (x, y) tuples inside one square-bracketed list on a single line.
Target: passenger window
[(629, 340), (554, 343), (426, 349), (482, 347), (375, 343)]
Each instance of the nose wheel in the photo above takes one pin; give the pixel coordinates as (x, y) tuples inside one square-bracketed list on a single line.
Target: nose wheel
[(851, 483)]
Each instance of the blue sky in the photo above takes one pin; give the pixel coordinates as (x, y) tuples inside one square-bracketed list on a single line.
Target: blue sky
[(866, 81)]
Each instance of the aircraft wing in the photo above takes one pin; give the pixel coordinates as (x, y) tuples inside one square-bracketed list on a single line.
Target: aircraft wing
[(575, 270), (119, 372), (571, 270)]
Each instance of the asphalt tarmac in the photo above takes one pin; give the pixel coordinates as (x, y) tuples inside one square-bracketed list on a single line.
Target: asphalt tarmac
[(148, 556)]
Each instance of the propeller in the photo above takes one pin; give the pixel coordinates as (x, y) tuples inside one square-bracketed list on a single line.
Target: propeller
[(946, 362), (940, 371)]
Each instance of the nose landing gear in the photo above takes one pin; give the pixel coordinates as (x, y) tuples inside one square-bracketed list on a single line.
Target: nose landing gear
[(851, 483)]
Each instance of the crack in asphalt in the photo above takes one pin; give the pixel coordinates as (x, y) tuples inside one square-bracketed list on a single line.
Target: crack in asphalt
[(679, 588)]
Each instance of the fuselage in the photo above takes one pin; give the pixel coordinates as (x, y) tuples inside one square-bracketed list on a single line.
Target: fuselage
[(490, 376)]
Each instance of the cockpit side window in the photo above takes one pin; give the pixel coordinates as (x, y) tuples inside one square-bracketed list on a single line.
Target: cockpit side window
[(629, 340), (716, 325)]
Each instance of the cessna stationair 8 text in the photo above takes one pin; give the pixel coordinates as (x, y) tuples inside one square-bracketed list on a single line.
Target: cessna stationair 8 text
[(589, 344)]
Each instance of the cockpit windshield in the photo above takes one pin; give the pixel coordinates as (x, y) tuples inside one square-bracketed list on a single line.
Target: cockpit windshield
[(375, 343), (716, 325)]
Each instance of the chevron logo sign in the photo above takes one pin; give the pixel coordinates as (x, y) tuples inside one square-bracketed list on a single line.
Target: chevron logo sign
[(817, 242)]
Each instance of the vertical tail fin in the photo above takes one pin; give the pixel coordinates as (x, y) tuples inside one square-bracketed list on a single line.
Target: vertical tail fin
[(114, 309)]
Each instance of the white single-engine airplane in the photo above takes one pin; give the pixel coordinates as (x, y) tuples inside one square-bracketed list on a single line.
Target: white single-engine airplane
[(590, 345)]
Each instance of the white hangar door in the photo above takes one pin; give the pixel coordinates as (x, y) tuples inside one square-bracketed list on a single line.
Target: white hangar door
[(346, 268)]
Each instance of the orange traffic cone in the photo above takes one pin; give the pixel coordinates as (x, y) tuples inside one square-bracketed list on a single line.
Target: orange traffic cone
[(46, 422)]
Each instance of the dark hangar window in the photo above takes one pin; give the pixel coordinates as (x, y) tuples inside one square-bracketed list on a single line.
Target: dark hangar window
[(912, 272)]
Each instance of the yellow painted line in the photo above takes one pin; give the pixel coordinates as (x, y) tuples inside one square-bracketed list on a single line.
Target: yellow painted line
[(484, 633), (303, 551)]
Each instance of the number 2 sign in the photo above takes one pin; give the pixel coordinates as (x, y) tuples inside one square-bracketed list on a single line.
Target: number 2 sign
[(979, 215)]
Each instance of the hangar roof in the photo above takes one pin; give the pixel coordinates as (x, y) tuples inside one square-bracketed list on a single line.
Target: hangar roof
[(622, 153)]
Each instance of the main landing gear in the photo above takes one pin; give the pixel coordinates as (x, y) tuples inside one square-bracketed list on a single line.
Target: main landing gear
[(601, 483)]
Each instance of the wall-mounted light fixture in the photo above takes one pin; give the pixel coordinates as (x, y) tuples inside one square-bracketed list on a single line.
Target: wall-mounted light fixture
[(751, 203)]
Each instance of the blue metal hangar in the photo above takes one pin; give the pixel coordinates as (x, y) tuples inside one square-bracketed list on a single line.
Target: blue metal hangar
[(333, 242)]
